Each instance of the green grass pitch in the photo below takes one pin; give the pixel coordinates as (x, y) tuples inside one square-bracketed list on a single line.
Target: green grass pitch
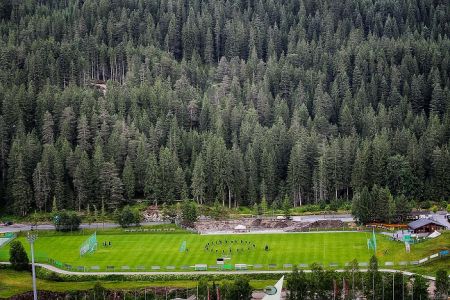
[(156, 249)]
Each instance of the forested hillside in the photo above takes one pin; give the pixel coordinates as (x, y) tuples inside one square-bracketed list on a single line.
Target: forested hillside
[(310, 100)]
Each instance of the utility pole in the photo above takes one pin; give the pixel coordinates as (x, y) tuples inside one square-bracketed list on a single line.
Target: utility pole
[(31, 238)]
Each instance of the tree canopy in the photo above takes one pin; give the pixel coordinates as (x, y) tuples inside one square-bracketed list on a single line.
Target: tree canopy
[(229, 101)]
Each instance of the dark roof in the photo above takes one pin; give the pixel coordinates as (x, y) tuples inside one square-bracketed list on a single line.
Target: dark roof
[(419, 212), (422, 222)]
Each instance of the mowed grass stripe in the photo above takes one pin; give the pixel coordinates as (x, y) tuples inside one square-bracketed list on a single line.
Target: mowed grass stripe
[(132, 250)]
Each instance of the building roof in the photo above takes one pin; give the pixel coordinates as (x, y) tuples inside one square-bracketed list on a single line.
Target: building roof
[(422, 222), (419, 212)]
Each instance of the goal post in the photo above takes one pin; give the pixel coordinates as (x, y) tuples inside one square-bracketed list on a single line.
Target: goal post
[(182, 247), (89, 245)]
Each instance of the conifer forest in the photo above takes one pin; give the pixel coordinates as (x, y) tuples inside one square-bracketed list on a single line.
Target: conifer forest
[(224, 101)]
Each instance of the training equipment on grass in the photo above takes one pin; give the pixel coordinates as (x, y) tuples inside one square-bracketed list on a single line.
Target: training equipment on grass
[(407, 247), (201, 267), (372, 242), (183, 246), (6, 238), (90, 245)]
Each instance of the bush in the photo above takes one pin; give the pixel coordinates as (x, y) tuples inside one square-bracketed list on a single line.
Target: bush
[(98, 289), (442, 284), (188, 213), (169, 213), (66, 221), (322, 205), (18, 257), (334, 205), (425, 205), (219, 212), (128, 217), (434, 208)]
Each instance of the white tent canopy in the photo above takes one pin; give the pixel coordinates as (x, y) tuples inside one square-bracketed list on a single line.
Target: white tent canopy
[(434, 234), (276, 291), (240, 227)]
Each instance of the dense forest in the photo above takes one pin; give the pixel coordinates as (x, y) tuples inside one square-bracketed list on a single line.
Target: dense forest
[(229, 101)]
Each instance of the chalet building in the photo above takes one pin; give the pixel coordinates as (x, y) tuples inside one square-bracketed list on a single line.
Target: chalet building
[(418, 214), (425, 226)]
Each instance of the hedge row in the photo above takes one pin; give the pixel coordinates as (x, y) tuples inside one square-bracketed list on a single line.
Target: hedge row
[(43, 273)]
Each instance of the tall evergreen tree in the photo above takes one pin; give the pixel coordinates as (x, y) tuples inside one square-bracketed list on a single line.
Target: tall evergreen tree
[(20, 189), (128, 179)]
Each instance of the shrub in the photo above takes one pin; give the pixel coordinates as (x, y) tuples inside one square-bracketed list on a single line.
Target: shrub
[(334, 205), (66, 221), (128, 217), (442, 284), (188, 213), (98, 288), (434, 208), (18, 257), (425, 205), (322, 205)]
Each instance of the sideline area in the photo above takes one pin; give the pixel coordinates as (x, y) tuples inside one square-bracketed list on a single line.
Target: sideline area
[(59, 271)]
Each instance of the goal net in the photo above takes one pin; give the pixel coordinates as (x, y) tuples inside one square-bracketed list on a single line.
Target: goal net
[(183, 246), (89, 245)]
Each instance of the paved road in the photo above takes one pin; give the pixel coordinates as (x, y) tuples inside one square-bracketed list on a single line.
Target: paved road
[(56, 270), (439, 216), (26, 227), (312, 218)]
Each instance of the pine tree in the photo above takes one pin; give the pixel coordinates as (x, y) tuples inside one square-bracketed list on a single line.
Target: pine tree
[(20, 189), (151, 188), (208, 55), (128, 179), (442, 284), (84, 134), (360, 206), (346, 122), (417, 99), (82, 180), (198, 181), (237, 174), (41, 183), (268, 173), (298, 172), (47, 129), (18, 256), (166, 175), (437, 103), (111, 186)]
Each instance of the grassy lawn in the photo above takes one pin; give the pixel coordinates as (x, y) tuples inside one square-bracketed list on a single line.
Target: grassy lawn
[(133, 249), (14, 283), (136, 249)]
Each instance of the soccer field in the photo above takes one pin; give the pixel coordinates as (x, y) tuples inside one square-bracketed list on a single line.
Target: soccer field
[(163, 249), (154, 249)]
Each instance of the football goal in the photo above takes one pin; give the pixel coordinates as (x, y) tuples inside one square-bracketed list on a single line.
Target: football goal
[(89, 245)]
